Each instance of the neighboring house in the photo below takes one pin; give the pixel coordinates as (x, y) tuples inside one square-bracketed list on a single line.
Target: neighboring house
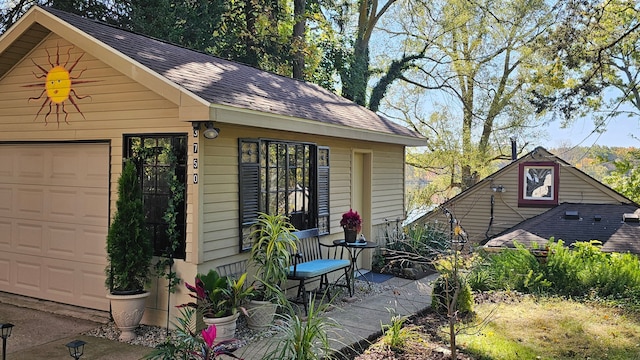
[(615, 225), (525, 188), (79, 96)]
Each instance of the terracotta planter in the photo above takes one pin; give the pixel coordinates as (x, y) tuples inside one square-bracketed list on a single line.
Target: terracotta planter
[(350, 235), (225, 326), (127, 311), (261, 314)]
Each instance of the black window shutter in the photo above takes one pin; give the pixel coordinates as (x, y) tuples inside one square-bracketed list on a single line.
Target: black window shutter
[(249, 181), (323, 189)]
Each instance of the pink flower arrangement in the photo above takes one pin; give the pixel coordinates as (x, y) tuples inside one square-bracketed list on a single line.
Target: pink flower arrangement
[(351, 220)]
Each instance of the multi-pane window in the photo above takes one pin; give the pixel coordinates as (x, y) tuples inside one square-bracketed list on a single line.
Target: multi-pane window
[(281, 177), (161, 162)]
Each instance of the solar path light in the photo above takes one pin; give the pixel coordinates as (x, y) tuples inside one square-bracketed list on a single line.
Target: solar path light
[(6, 332), (76, 348)]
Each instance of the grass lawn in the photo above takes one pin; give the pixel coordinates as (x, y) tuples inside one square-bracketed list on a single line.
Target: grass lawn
[(553, 329)]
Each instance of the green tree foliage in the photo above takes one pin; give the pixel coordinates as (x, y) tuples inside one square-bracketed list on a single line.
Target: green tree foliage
[(256, 33), (273, 35), (592, 53), (625, 178), (95, 9), (352, 59), (188, 23), (473, 81)]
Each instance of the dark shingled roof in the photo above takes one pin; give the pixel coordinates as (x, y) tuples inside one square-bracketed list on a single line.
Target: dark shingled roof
[(225, 82), (615, 234)]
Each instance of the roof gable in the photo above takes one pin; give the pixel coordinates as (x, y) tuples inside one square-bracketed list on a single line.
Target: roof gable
[(214, 81), (536, 155)]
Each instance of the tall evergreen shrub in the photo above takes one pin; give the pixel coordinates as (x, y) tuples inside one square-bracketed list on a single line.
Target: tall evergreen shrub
[(129, 248)]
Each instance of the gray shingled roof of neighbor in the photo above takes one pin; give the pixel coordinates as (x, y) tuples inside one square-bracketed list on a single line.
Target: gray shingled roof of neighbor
[(615, 234), (229, 83)]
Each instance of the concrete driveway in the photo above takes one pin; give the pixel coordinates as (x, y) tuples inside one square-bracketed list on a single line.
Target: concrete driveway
[(41, 330)]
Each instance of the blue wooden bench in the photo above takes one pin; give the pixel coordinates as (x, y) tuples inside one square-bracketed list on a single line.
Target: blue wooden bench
[(314, 260)]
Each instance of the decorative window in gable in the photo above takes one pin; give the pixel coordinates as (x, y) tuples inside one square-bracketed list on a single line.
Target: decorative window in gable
[(538, 184), (282, 177)]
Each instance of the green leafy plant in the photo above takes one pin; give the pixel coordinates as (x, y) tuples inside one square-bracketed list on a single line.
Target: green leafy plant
[(580, 270), (303, 339), (218, 296), (397, 334), (445, 290), (587, 270), (190, 342), (273, 245), (513, 269), (129, 248)]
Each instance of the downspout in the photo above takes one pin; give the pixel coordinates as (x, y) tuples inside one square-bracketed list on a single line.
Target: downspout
[(486, 233)]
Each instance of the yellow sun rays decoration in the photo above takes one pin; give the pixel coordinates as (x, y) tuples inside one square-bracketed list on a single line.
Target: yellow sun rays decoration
[(58, 86)]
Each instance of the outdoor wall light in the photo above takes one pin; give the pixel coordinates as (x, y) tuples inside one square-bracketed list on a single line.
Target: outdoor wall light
[(498, 188), (210, 132), (6, 332), (76, 348)]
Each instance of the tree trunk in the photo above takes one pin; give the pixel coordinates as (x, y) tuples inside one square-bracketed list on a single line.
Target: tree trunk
[(356, 76), (251, 55), (355, 88), (298, 38)]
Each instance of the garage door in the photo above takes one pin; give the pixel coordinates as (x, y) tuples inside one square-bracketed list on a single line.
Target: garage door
[(54, 215)]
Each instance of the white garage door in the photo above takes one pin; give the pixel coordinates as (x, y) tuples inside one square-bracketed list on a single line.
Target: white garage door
[(54, 215)]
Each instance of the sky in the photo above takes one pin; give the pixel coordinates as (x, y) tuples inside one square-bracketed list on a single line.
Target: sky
[(619, 133)]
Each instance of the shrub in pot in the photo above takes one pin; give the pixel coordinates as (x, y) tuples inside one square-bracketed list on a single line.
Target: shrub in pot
[(129, 253), (274, 242)]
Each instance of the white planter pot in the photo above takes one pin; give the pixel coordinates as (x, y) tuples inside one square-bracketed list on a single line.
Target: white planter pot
[(127, 311), (261, 314), (225, 326)]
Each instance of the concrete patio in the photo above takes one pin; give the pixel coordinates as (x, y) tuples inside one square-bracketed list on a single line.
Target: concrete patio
[(43, 328)]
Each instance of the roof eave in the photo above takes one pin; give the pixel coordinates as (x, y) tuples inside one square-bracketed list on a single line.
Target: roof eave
[(228, 114)]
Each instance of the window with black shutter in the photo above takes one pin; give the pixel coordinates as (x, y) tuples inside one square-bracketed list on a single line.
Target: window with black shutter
[(160, 159), (282, 177)]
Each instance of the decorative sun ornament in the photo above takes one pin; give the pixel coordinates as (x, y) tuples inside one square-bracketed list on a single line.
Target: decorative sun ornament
[(58, 86)]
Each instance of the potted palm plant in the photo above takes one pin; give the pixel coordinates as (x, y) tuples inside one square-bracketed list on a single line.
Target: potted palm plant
[(274, 242), (129, 253)]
